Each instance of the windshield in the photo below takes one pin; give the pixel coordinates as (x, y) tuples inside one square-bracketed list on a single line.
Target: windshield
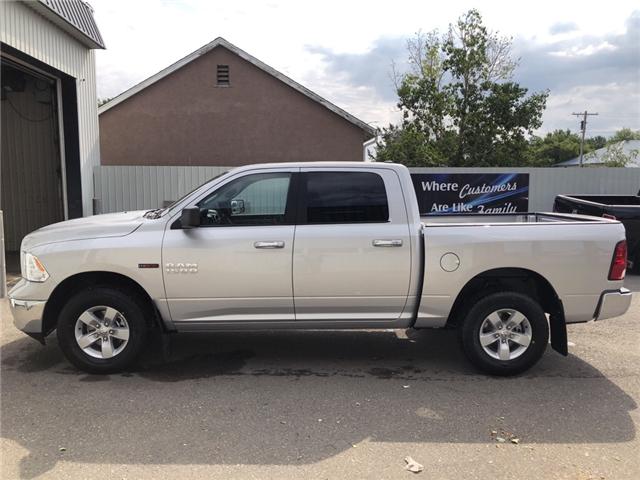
[(158, 212)]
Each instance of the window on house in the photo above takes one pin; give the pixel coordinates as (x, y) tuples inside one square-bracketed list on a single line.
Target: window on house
[(223, 75)]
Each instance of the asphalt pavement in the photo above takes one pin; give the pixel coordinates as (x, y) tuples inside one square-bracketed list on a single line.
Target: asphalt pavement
[(324, 405)]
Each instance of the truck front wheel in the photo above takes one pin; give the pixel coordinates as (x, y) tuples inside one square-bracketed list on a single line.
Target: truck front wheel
[(504, 333), (102, 329)]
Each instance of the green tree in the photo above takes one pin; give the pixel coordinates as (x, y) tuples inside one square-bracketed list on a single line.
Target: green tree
[(554, 147), (596, 142), (410, 147), (624, 134), (459, 99)]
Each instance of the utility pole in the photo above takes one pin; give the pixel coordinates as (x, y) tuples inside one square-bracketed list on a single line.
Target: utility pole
[(583, 128)]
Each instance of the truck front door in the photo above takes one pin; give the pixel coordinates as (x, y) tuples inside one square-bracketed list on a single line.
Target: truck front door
[(236, 266)]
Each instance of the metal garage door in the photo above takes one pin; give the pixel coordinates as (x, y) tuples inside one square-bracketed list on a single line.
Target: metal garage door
[(32, 187)]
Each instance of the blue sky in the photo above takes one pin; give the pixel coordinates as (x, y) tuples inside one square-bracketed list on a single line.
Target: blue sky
[(586, 53)]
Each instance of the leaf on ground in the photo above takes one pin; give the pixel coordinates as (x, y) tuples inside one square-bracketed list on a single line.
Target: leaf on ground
[(412, 465)]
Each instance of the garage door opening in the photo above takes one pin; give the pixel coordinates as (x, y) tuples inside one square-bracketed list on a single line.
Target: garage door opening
[(32, 171)]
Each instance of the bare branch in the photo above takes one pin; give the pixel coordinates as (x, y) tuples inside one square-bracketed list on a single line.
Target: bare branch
[(500, 65), (395, 75)]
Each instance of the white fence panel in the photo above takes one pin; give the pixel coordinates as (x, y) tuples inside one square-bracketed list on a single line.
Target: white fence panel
[(119, 188)]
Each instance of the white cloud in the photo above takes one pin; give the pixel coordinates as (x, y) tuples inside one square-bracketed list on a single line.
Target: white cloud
[(611, 101), (583, 51), (144, 36)]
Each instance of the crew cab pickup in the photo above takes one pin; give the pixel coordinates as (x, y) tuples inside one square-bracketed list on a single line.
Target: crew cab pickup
[(625, 208), (318, 246)]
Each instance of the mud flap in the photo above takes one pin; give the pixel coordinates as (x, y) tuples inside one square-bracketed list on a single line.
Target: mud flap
[(558, 328), (37, 336)]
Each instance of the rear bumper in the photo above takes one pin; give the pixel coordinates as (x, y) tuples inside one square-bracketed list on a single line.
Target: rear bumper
[(27, 315), (613, 303)]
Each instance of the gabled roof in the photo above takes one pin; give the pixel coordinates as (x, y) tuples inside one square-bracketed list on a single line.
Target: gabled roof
[(74, 17), (221, 42), (628, 147)]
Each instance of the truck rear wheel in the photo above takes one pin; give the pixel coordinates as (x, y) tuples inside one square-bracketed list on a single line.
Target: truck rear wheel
[(504, 333), (102, 330)]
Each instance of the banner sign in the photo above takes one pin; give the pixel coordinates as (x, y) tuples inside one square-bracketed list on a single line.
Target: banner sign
[(440, 193)]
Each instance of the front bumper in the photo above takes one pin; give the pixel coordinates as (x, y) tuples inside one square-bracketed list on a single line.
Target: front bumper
[(27, 316), (613, 303)]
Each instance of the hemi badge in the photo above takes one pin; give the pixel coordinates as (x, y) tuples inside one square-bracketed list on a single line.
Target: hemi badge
[(148, 265)]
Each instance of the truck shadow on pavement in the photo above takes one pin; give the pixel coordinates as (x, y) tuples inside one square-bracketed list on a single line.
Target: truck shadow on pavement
[(293, 398)]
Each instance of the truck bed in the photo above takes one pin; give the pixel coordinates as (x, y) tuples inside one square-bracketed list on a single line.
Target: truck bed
[(625, 208), (573, 252)]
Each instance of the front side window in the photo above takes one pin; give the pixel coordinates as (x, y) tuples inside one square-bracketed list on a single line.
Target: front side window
[(258, 199), (346, 197)]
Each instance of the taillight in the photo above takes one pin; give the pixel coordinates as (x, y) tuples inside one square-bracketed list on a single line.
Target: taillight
[(619, 262), (609, 216)]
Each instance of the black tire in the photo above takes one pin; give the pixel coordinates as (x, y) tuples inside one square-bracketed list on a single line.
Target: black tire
[(130, 306), (485, 306)]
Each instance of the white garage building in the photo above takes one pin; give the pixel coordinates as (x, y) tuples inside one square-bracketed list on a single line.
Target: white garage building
[(49, 114)]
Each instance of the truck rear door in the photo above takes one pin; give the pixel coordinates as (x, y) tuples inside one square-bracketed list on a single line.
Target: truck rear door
[(352, 250)]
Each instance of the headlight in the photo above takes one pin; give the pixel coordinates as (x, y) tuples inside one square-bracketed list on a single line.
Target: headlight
[(33, 269)]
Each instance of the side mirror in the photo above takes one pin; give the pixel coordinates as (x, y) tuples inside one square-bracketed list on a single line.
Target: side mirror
[(237, 207), (190, 217)]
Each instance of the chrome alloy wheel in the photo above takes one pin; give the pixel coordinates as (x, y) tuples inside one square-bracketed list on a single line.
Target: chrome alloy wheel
[(505, 334), (102, 332)]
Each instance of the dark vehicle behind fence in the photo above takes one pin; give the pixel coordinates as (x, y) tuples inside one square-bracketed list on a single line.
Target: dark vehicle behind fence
[(625, 208)]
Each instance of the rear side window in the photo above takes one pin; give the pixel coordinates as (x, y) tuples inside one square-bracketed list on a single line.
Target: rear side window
[(345, 197)]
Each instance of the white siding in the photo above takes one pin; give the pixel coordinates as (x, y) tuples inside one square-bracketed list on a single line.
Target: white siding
[(31, 33)]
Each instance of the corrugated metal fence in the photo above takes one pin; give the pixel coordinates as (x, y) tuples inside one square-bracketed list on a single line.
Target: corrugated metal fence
[(120, 188)]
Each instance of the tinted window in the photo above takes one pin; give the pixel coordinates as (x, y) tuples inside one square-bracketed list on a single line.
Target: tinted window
[(346, 197), (259, 199)]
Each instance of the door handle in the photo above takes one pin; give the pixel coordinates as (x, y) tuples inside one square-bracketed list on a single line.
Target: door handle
[(387, 243), (274, 244)]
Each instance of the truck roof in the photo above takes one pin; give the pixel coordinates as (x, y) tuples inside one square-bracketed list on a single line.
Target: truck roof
[(367, 165)]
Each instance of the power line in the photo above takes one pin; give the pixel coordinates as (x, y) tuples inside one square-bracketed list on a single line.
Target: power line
[(606, 115), (583, 128), (605, 131)]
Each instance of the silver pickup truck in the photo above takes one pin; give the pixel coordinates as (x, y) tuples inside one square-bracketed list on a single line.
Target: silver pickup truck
[(318, 246)]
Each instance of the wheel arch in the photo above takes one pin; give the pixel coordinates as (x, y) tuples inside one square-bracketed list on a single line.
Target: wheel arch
[(520, 280), (75, 283)]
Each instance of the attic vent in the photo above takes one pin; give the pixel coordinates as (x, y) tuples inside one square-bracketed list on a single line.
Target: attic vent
[(223, 75)]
